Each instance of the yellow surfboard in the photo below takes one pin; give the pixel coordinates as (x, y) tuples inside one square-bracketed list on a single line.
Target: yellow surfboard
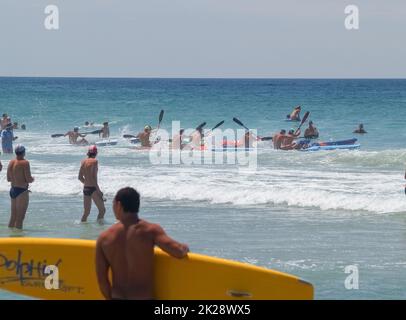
[(23, 262)]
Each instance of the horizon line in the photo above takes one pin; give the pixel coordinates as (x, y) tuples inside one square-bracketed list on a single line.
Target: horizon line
[(206, 78)]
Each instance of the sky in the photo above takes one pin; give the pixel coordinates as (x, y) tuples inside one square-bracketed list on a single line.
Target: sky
[(203, 38)]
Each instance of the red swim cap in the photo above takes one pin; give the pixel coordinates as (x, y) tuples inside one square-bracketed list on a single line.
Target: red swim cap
[(92, 149)]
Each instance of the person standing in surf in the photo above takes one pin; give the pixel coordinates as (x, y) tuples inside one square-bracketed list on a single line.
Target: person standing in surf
[(7, 138), (19, 175), (105, 131), (91, 191), (127, 248)]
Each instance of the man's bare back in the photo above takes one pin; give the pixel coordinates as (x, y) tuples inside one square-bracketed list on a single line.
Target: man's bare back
[(19, 173), (127, 248), (88, 172)]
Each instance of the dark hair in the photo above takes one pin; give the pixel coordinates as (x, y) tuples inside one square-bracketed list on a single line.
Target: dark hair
[(129, 199)]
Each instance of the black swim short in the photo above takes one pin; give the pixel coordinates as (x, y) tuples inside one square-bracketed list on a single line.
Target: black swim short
[(88, 191), (16, 191)]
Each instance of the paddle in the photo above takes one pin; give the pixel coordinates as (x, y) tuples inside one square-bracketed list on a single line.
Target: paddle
[(303, 121), (57, 135), (129, 136), (92, 132), (161, 116), (242, 125), (214, 128)]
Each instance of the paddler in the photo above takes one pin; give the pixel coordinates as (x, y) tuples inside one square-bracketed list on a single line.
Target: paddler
[(91, 190), (177, 140), (360, 129), (196, 138), (278, 138), (105, 131), (127, 249), (19, 175), (75, 135), (295, 114), (311, 132), (288, 140), (145, 136), (249, 139)]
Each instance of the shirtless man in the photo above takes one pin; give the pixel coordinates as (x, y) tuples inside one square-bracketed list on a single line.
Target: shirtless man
[(295, 115), (145, 136), (19, 174), (91, 191), (127, 248), (177, 140), (311, 132), (75, 135), (105, 131), (278, 138), (288, 140), (196, 138)]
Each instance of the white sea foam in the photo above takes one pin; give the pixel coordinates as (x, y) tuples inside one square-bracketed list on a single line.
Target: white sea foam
[(379, 192)]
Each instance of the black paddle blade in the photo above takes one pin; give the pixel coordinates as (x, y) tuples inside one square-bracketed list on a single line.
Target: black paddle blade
[(305, 117), (161, 116), (201, 126), (217, 125), (128, 136), (57, 135), (238, 122), (266, 138)]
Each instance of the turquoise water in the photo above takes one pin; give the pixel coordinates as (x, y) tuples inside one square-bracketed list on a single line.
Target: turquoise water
[(309, 214)]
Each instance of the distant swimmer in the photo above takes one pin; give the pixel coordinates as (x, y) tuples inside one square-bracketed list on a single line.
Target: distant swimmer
[(91, 191), (7, 138), (23, 127), (288, 142), (105, 131), (19, 174), (177, 140), (295, 114), (278, 139), (311, 132), (75, 135), (145, 136), (360, 129), (127, 249)]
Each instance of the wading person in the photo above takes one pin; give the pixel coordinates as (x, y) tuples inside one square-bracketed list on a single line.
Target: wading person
[(91, 191), (19, 174), (127, 248)]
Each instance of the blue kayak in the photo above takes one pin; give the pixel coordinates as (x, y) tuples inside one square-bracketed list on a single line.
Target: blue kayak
[(335, 143), (332, 147)]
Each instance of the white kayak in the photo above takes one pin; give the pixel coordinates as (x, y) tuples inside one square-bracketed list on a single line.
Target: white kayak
[(104, 143)]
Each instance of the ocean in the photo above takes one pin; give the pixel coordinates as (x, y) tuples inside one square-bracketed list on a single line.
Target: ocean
[(309, 214)]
